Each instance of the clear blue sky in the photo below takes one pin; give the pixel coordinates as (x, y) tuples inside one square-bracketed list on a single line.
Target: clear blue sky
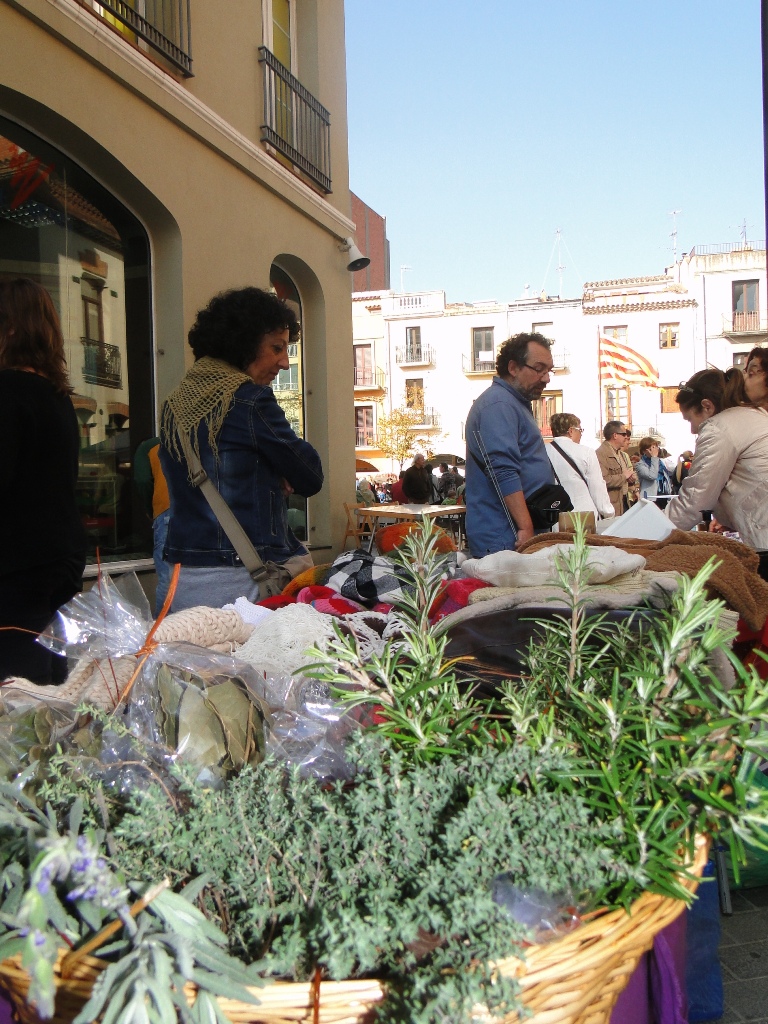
[(479, 127)]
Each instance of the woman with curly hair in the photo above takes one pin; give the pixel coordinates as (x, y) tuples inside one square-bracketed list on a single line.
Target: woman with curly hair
[(729, 472), (227, 412), (43, 541), (756, 378)]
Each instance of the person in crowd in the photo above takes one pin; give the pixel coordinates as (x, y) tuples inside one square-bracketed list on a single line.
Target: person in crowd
[(43, 540), (365, 493), (506, 455), (729, 472), (417, 482), (682, 469), (650, 469), (449, 482), (398, 494), (153, 490), (615, 465), (577, 467), (756, 377), (226, 408)]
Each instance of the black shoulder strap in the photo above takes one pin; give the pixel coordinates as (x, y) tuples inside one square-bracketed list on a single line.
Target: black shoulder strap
[(570, 460)]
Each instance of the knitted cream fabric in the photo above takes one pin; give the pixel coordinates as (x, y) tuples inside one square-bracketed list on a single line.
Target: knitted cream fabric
[(205, 393), (102, 682), (278, 643), (510, 569)]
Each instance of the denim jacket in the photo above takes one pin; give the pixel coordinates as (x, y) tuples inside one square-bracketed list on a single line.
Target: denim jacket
[(256, 447), (510, 437)]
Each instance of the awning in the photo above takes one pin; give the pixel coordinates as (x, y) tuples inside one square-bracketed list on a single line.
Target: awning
[(361, 466)]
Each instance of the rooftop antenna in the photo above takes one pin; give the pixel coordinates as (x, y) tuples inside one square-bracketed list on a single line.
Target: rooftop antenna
[(560, 265), (403, 270), (743, 233), (673, 233)]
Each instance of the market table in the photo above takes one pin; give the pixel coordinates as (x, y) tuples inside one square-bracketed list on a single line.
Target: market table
[(411, 512)]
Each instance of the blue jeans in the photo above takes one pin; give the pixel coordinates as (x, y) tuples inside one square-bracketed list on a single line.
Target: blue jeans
[(163, 569)]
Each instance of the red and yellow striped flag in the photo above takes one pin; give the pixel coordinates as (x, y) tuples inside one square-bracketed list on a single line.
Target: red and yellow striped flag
[(620, 364)]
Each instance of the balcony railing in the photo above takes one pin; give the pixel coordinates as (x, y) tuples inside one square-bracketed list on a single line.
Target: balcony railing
[(295, 123), (373, 378), (101, 364), (164, 25), (365, 439), (471, 365), (745, 323), (425, 418), (285, 385), (414, 355)]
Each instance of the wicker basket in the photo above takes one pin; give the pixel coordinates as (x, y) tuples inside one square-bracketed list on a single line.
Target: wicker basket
[(574, 980)]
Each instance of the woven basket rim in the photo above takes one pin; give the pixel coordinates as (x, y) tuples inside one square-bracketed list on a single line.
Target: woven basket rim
[(572, 970)]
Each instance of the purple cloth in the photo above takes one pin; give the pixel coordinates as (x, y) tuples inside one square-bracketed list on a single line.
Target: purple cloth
[(6, 1014), (655, 993)]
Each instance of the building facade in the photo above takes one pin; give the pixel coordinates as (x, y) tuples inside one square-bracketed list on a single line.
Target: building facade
[(417, 351), (140, 176)]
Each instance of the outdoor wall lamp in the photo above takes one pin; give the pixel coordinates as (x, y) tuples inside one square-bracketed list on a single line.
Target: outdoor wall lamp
[(356, 259)]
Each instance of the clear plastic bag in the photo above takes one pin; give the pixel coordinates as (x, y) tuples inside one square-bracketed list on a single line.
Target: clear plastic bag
[(547, 915), (191, 704), (307, 728)]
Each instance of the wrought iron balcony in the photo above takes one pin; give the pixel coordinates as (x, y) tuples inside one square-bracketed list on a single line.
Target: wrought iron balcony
[(415, 355), (164, 25), (472, 365), (102, 364), (295, 123), (370, 379), (365, 439), (745, 323), (425, 418)]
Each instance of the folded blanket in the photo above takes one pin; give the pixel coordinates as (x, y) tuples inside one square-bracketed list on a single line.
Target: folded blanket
[(735, 580), (512, 569)]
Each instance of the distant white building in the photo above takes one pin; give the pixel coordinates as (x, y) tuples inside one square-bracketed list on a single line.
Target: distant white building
[(415, 349)]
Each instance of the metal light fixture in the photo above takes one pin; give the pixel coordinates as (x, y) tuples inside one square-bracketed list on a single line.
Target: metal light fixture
[(356, 259)]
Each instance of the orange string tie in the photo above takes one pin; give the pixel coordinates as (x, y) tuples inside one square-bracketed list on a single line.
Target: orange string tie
[(150, 643)]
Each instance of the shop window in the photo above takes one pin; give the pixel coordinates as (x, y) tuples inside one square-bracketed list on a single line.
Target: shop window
[(746, 312), (64, 230), (669, 335), (289, 388), (544, 409), (483, 357), (667, 396), (364, 436), (617, 405)]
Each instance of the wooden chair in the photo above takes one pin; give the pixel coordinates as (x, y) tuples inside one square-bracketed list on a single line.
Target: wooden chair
[(355, 529)]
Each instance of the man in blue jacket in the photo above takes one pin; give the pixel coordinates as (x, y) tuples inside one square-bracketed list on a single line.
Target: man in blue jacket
[(506, 455)]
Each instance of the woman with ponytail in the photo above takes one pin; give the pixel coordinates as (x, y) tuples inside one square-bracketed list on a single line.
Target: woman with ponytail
[(729, 473)]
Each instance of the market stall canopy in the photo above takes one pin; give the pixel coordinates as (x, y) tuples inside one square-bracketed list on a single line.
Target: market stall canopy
[(452, 460)]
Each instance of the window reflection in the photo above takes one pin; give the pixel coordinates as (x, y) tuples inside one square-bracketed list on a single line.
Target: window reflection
[(61, 228)]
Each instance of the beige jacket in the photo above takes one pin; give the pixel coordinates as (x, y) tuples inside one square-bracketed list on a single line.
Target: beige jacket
[(729, 475), (612, 466)]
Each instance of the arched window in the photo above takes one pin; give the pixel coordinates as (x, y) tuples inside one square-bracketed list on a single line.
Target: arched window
[(64, 230), (289, 388)]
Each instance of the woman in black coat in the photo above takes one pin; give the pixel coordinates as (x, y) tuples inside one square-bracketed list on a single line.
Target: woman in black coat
[(42, 541)]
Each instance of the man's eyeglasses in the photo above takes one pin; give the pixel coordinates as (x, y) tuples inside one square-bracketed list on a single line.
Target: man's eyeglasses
[(623, 433), (580, 429), (538, 371)]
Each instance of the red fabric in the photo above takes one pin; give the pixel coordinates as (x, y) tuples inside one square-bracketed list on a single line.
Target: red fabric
[(750, 644), (398, 494), (328, 601), (278, 601), (454, 595)]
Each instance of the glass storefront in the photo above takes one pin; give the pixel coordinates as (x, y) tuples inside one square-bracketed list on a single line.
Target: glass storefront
[(64, 230)]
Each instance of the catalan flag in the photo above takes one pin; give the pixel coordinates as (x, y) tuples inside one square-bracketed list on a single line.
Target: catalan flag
[(620, 364)]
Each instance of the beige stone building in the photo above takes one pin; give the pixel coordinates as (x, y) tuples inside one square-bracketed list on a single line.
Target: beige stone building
[(153, 153)]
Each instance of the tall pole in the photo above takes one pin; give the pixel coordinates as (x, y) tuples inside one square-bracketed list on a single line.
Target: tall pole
[(764, 38)]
